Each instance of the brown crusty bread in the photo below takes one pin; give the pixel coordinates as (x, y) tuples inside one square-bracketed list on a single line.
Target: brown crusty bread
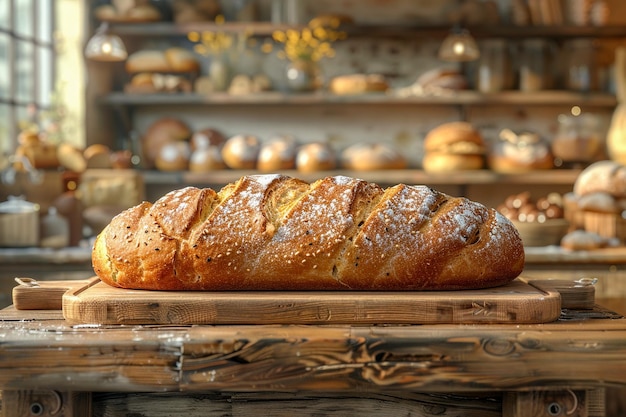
[(273, 232)]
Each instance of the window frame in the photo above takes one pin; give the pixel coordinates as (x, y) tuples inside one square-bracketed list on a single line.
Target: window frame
[(9, 123)]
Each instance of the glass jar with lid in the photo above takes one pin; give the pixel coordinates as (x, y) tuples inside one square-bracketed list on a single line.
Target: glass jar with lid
[(580, 65), (579, 139), (534, 65), (494, 66)]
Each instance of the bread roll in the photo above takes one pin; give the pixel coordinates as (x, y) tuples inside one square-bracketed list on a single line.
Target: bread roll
[(70, 157), (358, 84), (181, 60), (147, 61), (453, 146), (442, 79), (135, 13), (582, 240), (171, 60), (98, 156), (273, 232)]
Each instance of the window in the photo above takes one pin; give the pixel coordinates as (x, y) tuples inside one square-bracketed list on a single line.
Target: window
[(26, 64)]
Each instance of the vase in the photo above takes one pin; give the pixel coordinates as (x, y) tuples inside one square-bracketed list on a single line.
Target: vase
[(219, 73), (303, 76)]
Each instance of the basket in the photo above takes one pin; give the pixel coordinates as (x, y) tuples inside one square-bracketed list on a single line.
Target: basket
[(607, 225), (547, 233)]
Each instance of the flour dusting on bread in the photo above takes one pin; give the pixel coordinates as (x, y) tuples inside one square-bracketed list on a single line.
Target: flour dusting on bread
[(273, 232)]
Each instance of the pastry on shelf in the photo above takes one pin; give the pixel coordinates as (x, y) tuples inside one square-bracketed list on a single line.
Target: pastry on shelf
[(127, 11), (352, 84), (583, 240), (189, 11), (454, 146), (149, 83), (436, 81), (161, 61), (39, 152), (523, 152), (598, 200), (540, 221)]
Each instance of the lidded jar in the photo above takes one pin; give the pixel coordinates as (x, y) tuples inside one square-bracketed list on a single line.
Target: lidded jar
[(534, 65), (579, 139), (494, 67)]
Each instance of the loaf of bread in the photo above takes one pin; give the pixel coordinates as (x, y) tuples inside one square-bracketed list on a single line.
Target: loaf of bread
[(274, 232)]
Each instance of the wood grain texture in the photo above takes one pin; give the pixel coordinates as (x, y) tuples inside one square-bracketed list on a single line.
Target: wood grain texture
[(516, 302), (304, 404), (269, 358)]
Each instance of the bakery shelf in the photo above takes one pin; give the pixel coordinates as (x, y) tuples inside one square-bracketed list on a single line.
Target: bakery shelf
[(467, 98), (169, 29), (386, 177)]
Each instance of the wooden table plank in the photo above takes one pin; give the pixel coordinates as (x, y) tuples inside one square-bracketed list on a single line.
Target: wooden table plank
[(426, 358)]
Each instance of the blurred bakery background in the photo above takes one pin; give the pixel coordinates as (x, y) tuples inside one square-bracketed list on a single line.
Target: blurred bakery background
[(513, 103)]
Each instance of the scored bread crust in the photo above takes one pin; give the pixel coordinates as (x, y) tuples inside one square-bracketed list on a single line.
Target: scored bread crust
[(274, 232)]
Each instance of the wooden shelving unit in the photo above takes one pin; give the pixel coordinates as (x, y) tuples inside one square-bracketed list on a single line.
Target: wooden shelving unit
[(466, 98), (406, 176), (169, 29)]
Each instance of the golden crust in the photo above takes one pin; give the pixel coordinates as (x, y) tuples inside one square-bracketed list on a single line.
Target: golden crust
[(443, 136), (273, 232)]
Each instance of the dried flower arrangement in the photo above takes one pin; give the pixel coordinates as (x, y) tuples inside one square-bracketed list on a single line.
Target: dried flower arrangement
[(310, 43)]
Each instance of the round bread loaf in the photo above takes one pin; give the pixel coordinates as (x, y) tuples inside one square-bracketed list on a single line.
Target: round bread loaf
[(603, 176), (173, 156), (160, 133), (510, 158), (372, 156), (207, 159), (315, 156), (278, 153), (599, 202), (241, 151), (207, 137)]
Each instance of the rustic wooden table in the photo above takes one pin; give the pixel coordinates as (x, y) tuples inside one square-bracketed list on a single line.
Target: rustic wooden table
[(51, 368)]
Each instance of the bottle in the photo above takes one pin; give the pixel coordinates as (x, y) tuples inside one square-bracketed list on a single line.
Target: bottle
[(55, 230)]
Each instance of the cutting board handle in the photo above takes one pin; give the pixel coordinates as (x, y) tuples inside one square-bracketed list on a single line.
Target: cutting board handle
[(31, 294)]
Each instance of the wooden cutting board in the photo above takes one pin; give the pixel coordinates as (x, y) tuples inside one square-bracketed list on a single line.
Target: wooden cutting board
[(93, 302)]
